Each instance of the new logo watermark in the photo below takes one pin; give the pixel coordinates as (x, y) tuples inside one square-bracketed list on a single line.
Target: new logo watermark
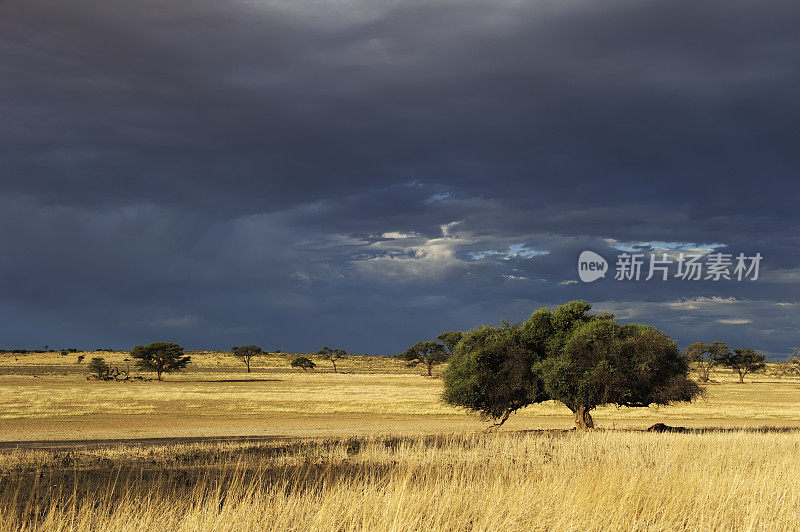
[(591, 266), (684, 266)]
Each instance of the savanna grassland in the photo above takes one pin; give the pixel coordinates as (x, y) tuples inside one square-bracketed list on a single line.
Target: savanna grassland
[(372, 447), (47, 397)]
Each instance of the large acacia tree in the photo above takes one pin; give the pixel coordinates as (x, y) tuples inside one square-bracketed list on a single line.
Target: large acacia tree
[(568, 355), (605, 363)]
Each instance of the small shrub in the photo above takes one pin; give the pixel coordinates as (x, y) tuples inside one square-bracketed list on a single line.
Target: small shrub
[(99, 368)]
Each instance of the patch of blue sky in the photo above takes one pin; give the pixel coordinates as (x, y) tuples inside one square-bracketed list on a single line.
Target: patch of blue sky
[(513, 251), (520, 250), (657, 244)]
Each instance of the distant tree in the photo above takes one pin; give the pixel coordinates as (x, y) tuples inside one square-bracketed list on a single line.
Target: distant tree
[(80, 359), (246, 354), (704, 356), (98, 366), (743, 361), (429, 353), (450, 340), (332, 355), (794, 362), (161, 357), (303, 363), (64, 352)]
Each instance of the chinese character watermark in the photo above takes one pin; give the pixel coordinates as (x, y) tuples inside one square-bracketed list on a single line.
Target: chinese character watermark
[(662, 266)]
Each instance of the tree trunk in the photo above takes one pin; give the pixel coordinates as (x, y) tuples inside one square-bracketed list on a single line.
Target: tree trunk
[(334, 366), (502, 419), (247, 361), (741, 376), (429, 366), (159, 374), (583, 418)]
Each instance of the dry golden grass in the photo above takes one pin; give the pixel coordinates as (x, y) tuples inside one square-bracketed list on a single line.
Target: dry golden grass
[(46, 396), (509, 481)]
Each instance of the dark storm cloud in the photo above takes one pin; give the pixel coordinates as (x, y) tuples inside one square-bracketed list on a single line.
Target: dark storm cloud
[(370, 173)]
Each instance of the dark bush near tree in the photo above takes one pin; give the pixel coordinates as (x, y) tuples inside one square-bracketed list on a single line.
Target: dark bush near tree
[(742, 361), (99, 368), (161, 357), (568, 355), (303, 363)]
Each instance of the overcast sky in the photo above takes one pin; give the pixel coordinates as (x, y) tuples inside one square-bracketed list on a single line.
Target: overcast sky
[(366, 174)]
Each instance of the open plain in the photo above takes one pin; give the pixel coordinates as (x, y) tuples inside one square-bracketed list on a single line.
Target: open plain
[(373, 447)]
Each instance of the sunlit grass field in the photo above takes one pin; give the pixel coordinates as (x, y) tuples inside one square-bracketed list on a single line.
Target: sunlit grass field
[(602, 480), (47, 396)]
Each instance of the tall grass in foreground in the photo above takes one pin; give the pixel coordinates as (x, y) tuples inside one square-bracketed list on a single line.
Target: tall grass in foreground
[(503, 481)]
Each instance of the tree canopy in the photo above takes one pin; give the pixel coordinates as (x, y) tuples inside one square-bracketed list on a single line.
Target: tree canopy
[(490, 372), (568, 355), (428, 353), (450, 340), (161, 357), (303, 363), (332, 355), (246, 353), (604, 363), (705, 357), (742, 360)]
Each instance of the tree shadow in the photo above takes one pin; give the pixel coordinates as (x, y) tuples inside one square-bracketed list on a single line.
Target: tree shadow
[(235, 380)]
